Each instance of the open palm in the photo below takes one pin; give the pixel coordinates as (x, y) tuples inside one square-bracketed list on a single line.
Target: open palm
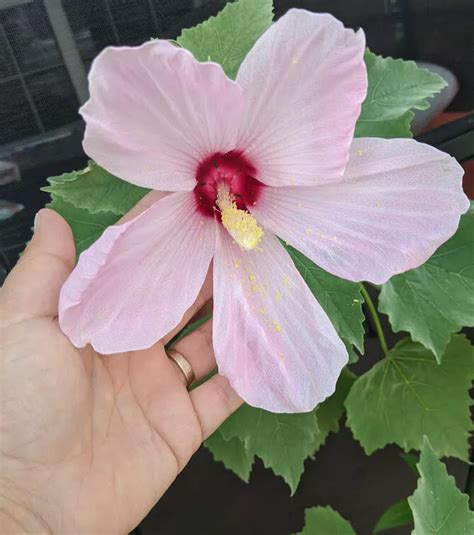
[(90, 443)]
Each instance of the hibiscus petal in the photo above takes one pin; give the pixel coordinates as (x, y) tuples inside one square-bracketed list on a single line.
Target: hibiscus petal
[(272, 339), (154, 112), (133, 285), (304, 82), (398, 202)]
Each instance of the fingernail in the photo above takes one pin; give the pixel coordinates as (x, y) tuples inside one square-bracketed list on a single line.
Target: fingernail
[(36, 222)]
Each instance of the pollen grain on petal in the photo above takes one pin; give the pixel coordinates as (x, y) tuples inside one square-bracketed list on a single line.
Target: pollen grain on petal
[(276, 326)]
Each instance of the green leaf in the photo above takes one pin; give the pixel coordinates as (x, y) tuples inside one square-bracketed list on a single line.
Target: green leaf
[(399, 514), (340, 299), (325, 521), (396, 87), (408, 395), (96, 190), (232, 453), (86, 227), (284, 441), (228, 37), (411, 461), (353, 354), (438, 506), (390, 128), (329, 413), (436, 299)]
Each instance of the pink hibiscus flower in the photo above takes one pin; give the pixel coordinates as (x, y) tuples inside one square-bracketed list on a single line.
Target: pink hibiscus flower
[(269, 155)]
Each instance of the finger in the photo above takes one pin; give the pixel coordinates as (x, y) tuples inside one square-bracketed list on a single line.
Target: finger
[(197, 349), (204, 296), (32, 288), (214, 401)]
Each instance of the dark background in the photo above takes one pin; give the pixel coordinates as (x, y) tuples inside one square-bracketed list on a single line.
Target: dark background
[(40, 131), (36, 94)]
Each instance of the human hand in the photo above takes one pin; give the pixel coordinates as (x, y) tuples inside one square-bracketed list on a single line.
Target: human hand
[(90, 443)]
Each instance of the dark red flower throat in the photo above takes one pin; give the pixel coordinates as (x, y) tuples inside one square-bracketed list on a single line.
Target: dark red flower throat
[(232, 170)]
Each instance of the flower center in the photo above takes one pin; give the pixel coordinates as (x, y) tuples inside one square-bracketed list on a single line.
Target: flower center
[(240, 224), (225, 187)]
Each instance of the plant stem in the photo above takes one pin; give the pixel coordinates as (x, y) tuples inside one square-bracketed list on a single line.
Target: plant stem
[(375, 317)]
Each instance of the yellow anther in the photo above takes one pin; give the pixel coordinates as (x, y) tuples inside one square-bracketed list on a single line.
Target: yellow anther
[(360, 152), (294, 60), (241, 225)]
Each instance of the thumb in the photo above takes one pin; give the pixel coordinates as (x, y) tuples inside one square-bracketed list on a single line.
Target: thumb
[(32, 288)]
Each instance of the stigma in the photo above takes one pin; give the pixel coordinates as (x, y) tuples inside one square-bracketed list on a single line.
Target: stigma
[(240, 224), (225, 187)]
